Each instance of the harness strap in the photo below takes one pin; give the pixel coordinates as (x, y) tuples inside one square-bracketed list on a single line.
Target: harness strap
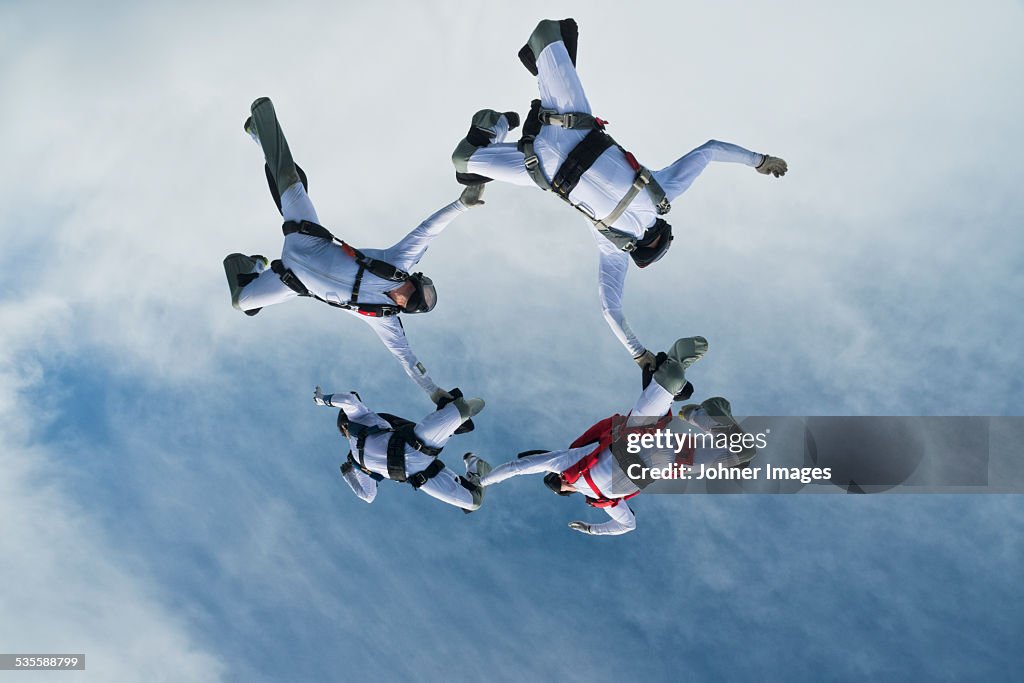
[(572, 120), (401, 437), (351, 463), (579, 161), (432, 470), (381, 269)]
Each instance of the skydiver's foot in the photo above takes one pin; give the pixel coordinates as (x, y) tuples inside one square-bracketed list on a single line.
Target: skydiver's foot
[(468, 407), (714, 415), (476, 467), (240, 271), (547, 32)]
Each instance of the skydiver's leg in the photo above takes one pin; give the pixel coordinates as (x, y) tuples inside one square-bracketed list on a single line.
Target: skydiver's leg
[(560, 86), (677, 177), (655, 401), (483, 155), (437, 427), (295, 203), (448, 487)]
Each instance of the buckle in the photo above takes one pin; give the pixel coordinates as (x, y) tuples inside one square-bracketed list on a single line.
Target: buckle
[(663, 207), (568, 120), (531, 162), (629, 247), (417, 480)]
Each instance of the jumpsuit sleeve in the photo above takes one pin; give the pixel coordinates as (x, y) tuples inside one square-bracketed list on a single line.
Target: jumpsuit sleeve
[(676, 178), (354, 409), (408, 251), (362, 485), (612, 267), (390, 331), (622, 521)]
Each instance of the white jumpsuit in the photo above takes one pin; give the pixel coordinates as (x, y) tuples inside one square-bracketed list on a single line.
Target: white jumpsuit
[(604, 184), (654, 401), (434, 430), (328, 272)]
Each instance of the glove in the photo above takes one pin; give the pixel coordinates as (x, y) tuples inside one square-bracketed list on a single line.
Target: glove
[(772, 166), (646, 361), (513, 120), (319, 398), (440, 394), (581, 527), (471, 196)]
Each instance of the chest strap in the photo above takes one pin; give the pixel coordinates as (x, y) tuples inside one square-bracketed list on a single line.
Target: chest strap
[(381, 269)]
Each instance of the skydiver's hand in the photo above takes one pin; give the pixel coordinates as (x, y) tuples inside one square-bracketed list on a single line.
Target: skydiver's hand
[(318, 397), (581, 527), (440, 394), (646, 361), (772, 166), (471, 196), (513, 120)]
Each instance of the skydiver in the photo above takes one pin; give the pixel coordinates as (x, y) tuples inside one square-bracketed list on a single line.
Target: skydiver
[(564, 149), (387, 447), (591, 466), (375, 284)]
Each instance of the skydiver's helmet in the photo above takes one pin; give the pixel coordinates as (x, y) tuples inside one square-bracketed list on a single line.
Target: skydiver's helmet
[(645, 254), (424, 297), (343, 423), (553, 480)]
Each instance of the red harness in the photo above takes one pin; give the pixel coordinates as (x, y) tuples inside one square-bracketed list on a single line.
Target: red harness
[(601, 434)]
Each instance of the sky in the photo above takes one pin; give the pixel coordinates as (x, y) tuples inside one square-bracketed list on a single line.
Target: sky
[(169, 497)]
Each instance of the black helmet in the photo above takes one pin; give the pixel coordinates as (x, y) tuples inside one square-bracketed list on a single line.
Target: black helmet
[(645, 254), (553, 480), (424, 298)]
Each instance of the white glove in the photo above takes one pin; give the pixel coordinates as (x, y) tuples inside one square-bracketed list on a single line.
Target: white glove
[(318, 397), (646, 360), (772, 166), (471, 196), (581, 527)]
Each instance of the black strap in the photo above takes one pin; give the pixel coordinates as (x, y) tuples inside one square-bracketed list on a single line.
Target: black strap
[(396, 457), (402, 436), (360, 446), (351, 463), (292, 281), (357, 284), (579, 161), (308, 228), (432, 470)]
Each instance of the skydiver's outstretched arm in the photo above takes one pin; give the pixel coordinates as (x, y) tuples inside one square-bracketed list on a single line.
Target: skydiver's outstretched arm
[(677, 177), (613, 264), (622, 521), (390, 331), (553, 461), (408, 251)]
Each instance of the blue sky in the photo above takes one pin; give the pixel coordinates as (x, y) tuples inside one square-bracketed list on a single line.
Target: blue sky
[(170, 503)]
